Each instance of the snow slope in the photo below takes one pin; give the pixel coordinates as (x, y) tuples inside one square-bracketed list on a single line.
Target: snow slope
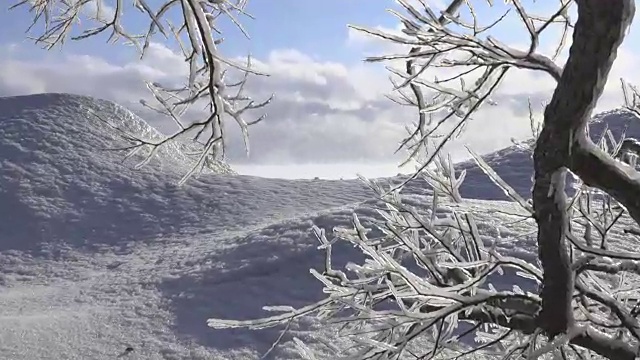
[(94, 254), (514, 163), (96, 257)]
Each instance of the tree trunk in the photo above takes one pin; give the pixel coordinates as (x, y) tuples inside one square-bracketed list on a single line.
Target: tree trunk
[(562, 144)]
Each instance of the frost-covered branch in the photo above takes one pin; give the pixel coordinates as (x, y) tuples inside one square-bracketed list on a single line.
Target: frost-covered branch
[(465, 49), (207, 82)]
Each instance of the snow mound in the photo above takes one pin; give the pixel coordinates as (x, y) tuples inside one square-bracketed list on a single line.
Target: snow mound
[(515, 164), (60, 184)]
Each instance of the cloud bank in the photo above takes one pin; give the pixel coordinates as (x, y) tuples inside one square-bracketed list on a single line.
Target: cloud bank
[(324, 111)]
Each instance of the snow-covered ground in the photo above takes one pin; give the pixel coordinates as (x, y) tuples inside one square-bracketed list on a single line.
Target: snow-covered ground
[(96, 257)]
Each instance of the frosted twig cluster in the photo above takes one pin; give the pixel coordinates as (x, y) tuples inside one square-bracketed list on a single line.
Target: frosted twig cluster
[(475, 60)]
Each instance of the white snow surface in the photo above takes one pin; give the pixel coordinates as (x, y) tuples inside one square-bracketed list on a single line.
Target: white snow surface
[(96, 257)]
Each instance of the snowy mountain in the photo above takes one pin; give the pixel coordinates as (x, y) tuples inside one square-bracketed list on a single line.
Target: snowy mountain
[(96, 257)]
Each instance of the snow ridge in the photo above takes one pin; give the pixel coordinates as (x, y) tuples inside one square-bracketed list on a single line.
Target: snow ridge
[(514, 164)]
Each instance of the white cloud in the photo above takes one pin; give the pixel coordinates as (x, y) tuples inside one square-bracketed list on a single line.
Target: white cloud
[(98, 9), (323, 111)]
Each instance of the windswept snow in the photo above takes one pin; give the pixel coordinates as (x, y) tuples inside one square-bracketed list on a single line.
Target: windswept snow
[(96, 257)]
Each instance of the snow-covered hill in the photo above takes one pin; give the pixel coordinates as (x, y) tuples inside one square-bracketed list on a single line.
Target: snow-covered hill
[(94, 254), (96, 257), (59, 183)]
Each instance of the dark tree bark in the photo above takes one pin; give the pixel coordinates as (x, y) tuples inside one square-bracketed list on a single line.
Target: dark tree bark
[(599, 31)]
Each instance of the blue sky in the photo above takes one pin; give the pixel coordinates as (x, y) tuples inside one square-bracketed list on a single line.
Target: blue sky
[(330, 113), (317, 28)]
